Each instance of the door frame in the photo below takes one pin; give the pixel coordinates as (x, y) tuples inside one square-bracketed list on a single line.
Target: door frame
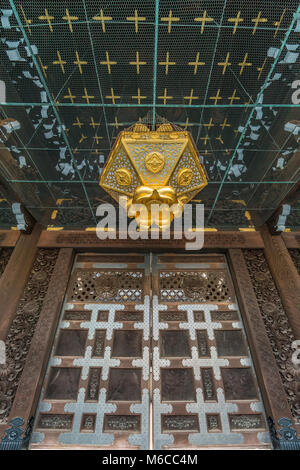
[(71, 242)]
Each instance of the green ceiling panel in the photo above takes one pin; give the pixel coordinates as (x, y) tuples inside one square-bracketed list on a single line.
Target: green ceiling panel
[(78, 72)]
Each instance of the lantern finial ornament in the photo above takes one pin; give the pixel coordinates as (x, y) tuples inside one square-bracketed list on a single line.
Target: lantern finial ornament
[(155, 173)]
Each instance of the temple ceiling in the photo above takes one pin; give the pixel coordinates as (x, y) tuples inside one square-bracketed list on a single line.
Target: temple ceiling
[(77, 73)]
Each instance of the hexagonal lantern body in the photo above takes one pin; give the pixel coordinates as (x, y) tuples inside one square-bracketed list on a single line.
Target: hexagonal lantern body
[(159, 167)]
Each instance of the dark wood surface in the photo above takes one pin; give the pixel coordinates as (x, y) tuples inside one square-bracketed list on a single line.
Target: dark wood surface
[(213, 240), (33, 373), (286, 277), (272, 389), (14, 278), (9, 238), (291, 239)]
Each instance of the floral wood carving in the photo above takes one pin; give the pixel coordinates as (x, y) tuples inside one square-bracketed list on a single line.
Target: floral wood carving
[(276, 324), (43, 333), (23, 326)]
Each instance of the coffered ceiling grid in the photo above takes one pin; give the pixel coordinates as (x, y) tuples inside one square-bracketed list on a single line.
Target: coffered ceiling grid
[(78, 72)]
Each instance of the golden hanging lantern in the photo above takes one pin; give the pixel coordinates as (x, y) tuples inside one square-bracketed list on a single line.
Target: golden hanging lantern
[(159, 167)]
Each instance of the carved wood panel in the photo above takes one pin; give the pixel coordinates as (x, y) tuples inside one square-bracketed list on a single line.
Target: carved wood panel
[(23, 327), (276, 325)]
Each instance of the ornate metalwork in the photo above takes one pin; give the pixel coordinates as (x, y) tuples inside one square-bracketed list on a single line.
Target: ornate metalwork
[(98, 348), (202, 343), (75, 315), (146, 196), (55, 421), (123, 177), (88, 422), (146, 165), (92, 392), (106, 387), (128, 316), (288, 439), (277, 326), (208, 384), (154, 162), (99, 285), (13, 439), (180, 423), (195, 286), (244, 421), (184, 177), (191, 401), (217, 380), (106, 286), (172, 316), (122, 423), (213, 422), (227, 315)]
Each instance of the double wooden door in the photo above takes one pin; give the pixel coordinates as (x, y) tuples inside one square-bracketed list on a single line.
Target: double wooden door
[(150, 353)]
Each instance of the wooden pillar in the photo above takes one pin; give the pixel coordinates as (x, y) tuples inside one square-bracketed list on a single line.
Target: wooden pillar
[(15, 276), (286, 277), (273, 392)]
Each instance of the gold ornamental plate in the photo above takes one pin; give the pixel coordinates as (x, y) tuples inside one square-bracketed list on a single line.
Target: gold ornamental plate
[(154, 162), (185, 177), (123, 177)]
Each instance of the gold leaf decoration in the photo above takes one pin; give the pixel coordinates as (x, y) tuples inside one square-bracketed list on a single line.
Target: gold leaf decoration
[(141, 128), (123, 177), (165, 128), (185, 177), (154, 162)]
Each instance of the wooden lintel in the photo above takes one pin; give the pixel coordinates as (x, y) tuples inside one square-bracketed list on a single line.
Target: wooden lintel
[(9, 238), (291, 239), (84, 239)]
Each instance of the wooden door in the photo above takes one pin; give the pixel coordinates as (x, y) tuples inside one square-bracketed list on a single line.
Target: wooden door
[(205, 392), (96, 389), (150, 342)]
